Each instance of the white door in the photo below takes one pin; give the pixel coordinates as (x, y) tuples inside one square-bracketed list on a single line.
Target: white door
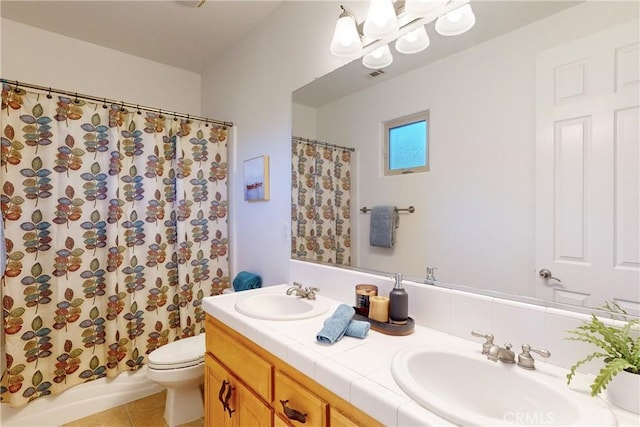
[(587, 163)]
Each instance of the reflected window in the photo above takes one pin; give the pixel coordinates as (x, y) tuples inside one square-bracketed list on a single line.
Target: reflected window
[(407, 144)]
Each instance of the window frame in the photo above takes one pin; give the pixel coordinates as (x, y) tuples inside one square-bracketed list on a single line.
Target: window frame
[(422, 116)]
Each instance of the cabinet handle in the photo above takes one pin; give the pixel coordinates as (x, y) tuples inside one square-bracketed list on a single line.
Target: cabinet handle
[(293, 414), (225, 400), (221, 392)]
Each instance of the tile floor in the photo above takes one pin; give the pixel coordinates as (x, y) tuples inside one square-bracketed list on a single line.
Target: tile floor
[(145, 412)]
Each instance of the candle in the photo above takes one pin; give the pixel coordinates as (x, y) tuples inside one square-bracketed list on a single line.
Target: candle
[(379, 308), (363, 293)]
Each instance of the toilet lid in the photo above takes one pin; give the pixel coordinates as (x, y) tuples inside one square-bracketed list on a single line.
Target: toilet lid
[(179, 354)]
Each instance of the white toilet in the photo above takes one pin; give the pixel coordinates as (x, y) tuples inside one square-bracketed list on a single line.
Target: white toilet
[(179, 366)]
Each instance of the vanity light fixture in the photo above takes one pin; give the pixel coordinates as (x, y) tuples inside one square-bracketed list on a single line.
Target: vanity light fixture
[(346, 40), (379, 58), (456, 22), (404, 23), (414, 41), (381, 19)]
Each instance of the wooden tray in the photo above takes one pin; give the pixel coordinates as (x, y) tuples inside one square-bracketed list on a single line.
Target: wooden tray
[(389, 328)]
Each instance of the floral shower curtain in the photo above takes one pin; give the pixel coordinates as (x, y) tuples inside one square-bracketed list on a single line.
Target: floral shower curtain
[(320, 203), (116, 228)]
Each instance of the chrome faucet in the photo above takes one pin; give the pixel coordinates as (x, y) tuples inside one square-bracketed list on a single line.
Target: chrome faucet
[(488, 343), (431, 275), (526, 361), (503, 354), (297, 289)]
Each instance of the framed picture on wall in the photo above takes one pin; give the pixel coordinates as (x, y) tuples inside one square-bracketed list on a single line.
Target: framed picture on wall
[(256, 179)]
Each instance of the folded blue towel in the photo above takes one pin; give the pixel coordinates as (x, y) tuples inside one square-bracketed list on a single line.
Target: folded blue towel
[(356, 328), (382, 226), (245, 280), (335, 326)]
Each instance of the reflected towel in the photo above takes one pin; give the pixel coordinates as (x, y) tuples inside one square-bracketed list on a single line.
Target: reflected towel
[(336, 325), (382, 227), (356, 328), (245, 280)]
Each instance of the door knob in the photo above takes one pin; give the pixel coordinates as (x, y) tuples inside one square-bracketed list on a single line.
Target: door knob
[(547, 275)]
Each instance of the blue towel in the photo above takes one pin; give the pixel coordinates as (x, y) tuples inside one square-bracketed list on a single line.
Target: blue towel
[(382, 226), (245, 280), (356, 328), (335, 326)]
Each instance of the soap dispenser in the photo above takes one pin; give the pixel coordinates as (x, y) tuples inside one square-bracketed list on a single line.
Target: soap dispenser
[(398, 302)]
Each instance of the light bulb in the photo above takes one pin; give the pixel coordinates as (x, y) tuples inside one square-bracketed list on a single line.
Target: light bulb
[(346, 40), (453, 16), (456, 22), (414, 41), (381, 19), (379, 58)]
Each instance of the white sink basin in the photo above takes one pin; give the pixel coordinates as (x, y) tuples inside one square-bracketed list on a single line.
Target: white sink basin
[(279, 306), (472, 391)]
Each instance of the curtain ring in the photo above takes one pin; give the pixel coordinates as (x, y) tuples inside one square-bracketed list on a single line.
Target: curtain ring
[(104, 103), (188, 120), (122, 109), (206, 122), (175, 118), (138, 107), (17, 88), (49, 94), (160, 116), (76, 101)]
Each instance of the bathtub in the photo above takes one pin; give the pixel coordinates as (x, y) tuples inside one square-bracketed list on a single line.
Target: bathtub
[(80, 401)]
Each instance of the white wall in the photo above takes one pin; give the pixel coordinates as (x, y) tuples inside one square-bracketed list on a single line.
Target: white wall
[(44, 58), (255, 79), (304, 121)]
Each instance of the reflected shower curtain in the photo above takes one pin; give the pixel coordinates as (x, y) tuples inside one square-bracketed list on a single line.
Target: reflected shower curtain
[(116, 228), (320, 203)]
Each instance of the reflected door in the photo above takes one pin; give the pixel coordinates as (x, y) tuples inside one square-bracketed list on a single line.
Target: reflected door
[(587, 163)]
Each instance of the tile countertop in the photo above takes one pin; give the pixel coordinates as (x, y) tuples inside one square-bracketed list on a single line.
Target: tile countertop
[(358, 370)]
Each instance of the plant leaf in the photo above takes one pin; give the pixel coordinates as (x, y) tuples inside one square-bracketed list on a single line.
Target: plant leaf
[(609, 371)]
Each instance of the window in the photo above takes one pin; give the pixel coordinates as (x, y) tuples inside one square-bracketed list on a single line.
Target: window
[(406, 144)]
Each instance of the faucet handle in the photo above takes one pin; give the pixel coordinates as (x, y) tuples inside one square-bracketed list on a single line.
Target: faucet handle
[(311, 292), (526, 361), (297, 284), (489, 340)]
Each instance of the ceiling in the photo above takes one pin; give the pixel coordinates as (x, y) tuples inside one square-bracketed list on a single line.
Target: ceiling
[(160, 31)]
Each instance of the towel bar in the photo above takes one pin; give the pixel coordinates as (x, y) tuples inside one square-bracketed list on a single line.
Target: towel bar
[(410, 209)]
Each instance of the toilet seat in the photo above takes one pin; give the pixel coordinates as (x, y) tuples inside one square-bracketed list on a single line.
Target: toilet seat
[(179, 354)]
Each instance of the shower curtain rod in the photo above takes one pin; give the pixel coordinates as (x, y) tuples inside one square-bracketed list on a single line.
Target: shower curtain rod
[(122, 104), (325, 144)]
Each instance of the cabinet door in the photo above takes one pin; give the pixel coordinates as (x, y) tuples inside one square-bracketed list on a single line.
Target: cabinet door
[(299, 401), (338, 419), (279, 422), (214, 411), (244, 363), (229, 402)]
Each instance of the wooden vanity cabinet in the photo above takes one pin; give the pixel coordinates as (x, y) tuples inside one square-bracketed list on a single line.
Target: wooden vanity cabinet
[(257, 381), (299, 398), (241, 408)]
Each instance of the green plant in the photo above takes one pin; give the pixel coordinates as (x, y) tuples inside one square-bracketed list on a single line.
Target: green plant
[(620, 351)]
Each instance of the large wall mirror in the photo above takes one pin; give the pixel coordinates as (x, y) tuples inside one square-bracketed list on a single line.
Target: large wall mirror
[(533, 152)]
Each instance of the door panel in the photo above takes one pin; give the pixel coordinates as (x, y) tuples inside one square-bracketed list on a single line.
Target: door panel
[(587, 162)]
